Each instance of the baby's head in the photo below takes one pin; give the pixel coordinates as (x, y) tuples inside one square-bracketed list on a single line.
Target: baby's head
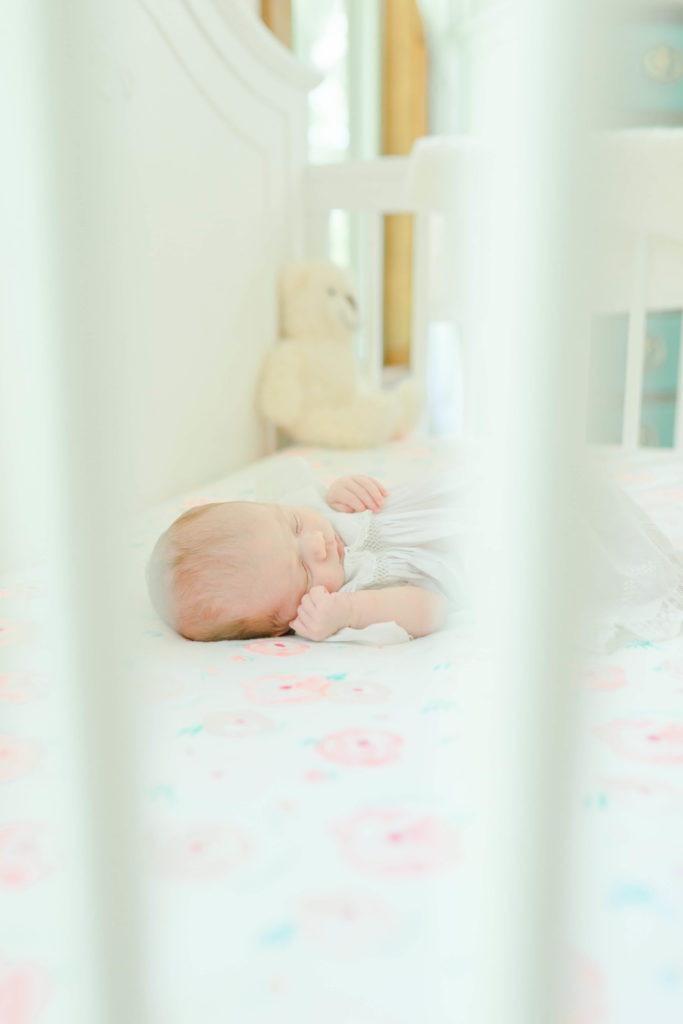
[(236, 570)]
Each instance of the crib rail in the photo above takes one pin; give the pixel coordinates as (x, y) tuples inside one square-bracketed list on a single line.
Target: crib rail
[(640, 270), (374, 189)]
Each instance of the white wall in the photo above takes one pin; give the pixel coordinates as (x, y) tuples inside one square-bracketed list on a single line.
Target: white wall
[(176, 150)]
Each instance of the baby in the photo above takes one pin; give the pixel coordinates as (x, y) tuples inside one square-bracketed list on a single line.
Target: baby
[(237, 570)]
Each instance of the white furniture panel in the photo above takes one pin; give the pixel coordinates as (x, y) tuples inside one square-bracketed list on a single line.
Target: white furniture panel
[(207, 112)]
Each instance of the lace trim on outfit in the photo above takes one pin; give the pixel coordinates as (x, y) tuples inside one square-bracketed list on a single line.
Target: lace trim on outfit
[(374, 572), (659, 620), (666, 619), (371, 560), (373, 539)]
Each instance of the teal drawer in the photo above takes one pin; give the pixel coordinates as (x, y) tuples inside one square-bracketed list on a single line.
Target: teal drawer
[(608, 374), (662, 349), (648, 71), (657, 423)]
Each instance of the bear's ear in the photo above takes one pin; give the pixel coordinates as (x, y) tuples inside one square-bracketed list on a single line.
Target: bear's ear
[(295, 276)]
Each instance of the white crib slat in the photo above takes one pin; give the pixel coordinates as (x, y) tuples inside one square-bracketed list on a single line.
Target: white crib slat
[(584, 375), (318, 232), (420, 311), (374, 316), (525, 581), (635, 355), (378, 185), (91, 504)]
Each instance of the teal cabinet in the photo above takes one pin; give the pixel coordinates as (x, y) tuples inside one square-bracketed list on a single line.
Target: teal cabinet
[(646, 89), (660, 378), (647, 79)]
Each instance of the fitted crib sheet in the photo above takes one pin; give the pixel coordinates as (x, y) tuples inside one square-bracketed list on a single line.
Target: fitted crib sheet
[(308, 816)]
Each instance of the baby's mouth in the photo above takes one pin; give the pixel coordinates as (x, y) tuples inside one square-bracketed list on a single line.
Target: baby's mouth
[(340, 547)]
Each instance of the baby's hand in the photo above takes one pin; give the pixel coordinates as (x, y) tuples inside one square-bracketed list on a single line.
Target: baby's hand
[(321, 614), (355, 493)]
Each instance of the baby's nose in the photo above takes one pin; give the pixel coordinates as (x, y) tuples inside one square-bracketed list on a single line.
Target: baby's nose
[(318, 546)]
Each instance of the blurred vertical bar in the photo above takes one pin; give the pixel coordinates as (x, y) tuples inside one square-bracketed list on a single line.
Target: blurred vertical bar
[(635, 348), (375, 306), (532, 264), (63, 180), (420, 311), (678, 428)]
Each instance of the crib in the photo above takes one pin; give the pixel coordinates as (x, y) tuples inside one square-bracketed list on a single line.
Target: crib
[(279, 830)]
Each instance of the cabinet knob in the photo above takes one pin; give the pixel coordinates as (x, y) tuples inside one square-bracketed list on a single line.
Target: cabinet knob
[(663, 63)]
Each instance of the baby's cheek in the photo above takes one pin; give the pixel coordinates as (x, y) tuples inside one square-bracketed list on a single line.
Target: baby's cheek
[(335, 580)]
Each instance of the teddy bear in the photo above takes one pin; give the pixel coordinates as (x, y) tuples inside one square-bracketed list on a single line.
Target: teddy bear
[(310, 386)]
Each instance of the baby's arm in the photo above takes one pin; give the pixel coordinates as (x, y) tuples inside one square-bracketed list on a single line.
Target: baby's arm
[(356, 493), (415, 609)]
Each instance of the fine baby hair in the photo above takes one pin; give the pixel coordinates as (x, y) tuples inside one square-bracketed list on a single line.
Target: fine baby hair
[(198, 575)]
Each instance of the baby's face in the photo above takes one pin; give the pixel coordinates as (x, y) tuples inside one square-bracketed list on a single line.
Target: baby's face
[(295, 549)]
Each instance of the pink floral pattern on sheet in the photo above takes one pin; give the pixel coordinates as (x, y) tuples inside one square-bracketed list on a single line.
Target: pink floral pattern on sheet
[(277, 647), (398, 842), (348, 921), (673, 667), (585, 991), (19, 687), (364, 747), (24, 991), (201, 852), (644, 796), (14, 631), (357, 691), (284, 689), (237, 724), (18, 756), (602, 677), (651, 740), (24, 858)]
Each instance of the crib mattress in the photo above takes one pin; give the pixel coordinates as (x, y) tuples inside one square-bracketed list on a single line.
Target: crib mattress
[(309, 818)]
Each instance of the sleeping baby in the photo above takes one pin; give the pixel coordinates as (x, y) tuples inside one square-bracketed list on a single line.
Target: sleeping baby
[(330, 564), (358, 563)]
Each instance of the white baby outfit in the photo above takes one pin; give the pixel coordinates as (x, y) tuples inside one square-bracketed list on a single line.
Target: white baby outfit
[(413, 539), (634, 584)]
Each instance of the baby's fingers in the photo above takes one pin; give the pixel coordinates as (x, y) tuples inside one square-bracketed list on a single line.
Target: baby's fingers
[(350, 499), (375, 489), (363, 490), (318, 597), (307, 608), (301, 624)]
